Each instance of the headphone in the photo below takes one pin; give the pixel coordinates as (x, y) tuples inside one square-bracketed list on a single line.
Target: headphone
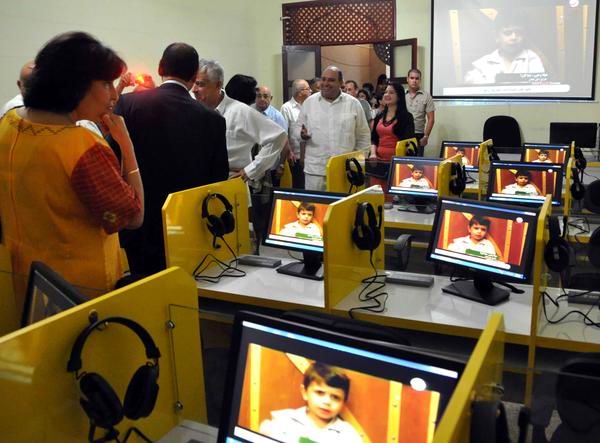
[(557, 252), (577, 187), (99, 400), (367, 237), (355, 175), (412, 150), (221, 224), (580, 160), (458, 178)]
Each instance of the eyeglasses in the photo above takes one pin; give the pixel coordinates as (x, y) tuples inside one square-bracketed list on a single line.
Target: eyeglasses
[(262, 95)]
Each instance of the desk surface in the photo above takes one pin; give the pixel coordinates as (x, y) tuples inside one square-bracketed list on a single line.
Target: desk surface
[(417, 221), (431, 310), (190, 430), (266, 287)]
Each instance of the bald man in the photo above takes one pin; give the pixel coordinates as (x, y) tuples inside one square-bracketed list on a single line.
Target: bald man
[(17, 100), (263, 105)]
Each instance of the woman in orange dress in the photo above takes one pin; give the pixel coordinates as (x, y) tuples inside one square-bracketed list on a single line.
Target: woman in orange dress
[(63, 193)]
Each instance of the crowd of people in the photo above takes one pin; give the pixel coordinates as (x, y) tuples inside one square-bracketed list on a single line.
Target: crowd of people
[(81, 162)]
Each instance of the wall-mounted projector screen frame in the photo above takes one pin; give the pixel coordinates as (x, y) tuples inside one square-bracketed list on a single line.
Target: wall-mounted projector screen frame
[(552, 45)]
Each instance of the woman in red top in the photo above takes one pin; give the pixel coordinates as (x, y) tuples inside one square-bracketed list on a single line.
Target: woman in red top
[(393, 124)]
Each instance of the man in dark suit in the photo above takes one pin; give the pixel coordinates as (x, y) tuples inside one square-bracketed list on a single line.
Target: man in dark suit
[(179, 143)]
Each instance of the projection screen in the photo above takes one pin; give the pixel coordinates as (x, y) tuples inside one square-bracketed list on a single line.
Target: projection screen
[(514, 49)]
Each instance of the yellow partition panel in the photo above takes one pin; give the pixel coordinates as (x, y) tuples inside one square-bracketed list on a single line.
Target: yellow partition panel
[(444, 175), (186, 235), (336, 178), (567, 186), (42, 398), (482, 373), (9, 314), (286, 178), (402, 146), (539, 272), (345, 264), (484, 167)]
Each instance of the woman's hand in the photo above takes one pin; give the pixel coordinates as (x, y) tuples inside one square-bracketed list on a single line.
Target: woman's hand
[(115, 125), (373, 153)]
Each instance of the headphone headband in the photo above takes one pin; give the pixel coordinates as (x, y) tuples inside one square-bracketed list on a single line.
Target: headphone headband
[(152, 352), (221, 197)]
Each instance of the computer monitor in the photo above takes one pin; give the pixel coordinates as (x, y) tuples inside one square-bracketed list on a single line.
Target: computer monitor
[(489, 240), (583, 134), (47, 294), (284, 374), (469, 152), (296, 223), (525, 183), (545, 153), (415, 180)]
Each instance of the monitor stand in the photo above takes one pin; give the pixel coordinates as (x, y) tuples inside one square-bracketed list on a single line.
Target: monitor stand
[(420, 205), (310, 267), (481, 290)]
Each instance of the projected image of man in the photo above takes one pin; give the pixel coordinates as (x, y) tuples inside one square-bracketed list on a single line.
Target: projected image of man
[(511, 56)]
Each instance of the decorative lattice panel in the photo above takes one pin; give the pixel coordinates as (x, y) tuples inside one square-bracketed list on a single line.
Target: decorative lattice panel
[(339, 22), (383, 51)]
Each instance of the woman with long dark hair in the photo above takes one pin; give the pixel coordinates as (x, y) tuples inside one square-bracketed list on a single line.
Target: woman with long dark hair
[(393, 124)]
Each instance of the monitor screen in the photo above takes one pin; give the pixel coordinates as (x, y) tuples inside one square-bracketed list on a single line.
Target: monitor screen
[(413, 176), (528, 183), (583, 134), (469, 152), (484, 237), (545, 153), (47, 294), (291, 383), (296, 220)]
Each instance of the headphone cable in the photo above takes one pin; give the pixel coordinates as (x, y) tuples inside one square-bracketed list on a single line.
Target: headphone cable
[(227, 269), (374, 294)]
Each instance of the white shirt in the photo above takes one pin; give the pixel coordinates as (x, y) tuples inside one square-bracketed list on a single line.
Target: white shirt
[(537, 160), (464, 244), (335, 128), (513, 189), (485, 68), (291, 111), (246, 127), (412, 183), (15, 102), (293, 229)]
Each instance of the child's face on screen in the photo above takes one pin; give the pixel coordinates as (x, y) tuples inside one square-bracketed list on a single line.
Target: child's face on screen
[(543, 156), (417, 174), (305, 217), (522, 180), (323, 402), (477, 232)]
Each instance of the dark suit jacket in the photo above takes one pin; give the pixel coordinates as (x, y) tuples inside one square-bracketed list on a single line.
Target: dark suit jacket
[(179, 144)]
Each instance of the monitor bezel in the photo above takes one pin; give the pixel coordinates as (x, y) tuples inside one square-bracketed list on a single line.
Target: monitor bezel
[(550, 146), (466, 144), (493, 275), (290, 245), (375, 346), (62, 293), (430, 197), (524, 165)]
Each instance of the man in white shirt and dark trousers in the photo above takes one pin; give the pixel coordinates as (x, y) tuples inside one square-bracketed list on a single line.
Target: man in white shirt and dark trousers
[(291, 111), (331, 123)]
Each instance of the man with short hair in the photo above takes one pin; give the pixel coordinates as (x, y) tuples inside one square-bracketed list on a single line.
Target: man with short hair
[(263, 105), (315, 85), (291, 111), (331, 123), (352, 89), (420, 104), (17, 100), (179, 143)]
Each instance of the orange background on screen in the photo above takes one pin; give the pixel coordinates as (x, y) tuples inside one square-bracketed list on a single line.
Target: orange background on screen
[(402, 171), (286, 212)]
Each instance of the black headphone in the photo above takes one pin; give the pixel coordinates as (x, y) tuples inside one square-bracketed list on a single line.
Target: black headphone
[(412, 150), (557, 252), (367, 237), (580, 160), (221, 224), (492, 153), (99, 400), (577, 187), (355, 175), (458, 178)]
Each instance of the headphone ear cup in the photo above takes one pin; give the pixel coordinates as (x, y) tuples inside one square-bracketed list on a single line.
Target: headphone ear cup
[(362, 236), (577, 190), (101, 403), (228, 221), (141, 393), (215, 225)]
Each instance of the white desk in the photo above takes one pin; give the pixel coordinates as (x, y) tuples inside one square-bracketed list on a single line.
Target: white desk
[(266, 287), (188, 430), (429, 309), (416, 221)]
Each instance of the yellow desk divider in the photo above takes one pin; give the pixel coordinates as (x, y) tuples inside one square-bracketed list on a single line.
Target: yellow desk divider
[(444, 175), (539, 272), (186, 235), (336, 179), (10, 315), (346, 265), (286, 178), (567, 204), (484, 167), (403, 145), (42, 399), (482, 374)]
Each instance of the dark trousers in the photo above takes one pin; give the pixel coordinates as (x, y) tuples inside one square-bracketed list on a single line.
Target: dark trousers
[(421, 149), (297, 169)]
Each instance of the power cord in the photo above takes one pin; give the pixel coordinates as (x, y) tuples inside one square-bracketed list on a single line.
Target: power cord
[(372, 295), (586, 319), (227, 269)]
